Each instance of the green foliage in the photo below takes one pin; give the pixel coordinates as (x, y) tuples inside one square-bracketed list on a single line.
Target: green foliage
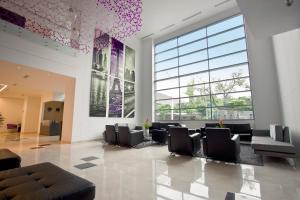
[(197, 105), (147, 124)]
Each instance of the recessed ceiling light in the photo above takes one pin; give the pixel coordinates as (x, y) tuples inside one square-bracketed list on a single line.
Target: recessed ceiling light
[(2, 87), (147, 36), (192, 16), (221, 3), (167, 27)]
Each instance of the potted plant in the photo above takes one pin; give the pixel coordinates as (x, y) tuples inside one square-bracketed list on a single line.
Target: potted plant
[(147, 125), (221, 123)]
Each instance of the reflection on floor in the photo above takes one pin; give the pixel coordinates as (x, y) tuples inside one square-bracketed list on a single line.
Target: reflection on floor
[(149, 173), (26, 140)]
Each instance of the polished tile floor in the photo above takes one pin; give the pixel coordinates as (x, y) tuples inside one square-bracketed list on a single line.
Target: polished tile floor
[(149, 173)]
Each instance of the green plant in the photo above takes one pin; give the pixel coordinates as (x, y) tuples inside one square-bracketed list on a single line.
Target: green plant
[(147, 124)]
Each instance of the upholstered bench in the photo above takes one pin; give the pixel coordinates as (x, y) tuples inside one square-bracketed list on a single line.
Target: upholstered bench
[(44, 181), (9, 160)]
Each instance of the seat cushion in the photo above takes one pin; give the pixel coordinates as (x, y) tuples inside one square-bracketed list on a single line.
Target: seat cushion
[(268, 144), (9, 160), (43, 181)]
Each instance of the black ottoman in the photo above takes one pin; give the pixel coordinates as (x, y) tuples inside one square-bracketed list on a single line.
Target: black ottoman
[(44, 181), (9, 160)]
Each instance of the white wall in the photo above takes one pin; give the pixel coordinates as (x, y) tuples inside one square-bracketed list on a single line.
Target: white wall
[(31, 115), (263, 77), (286, 49), (12, 110)]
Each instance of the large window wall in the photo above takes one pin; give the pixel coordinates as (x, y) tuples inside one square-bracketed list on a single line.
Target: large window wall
[(204, 75)]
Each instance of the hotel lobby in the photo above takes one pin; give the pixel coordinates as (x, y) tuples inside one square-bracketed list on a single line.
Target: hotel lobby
[(140, 99)]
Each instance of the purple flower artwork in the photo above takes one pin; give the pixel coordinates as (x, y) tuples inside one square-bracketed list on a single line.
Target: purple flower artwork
[(116, 59)]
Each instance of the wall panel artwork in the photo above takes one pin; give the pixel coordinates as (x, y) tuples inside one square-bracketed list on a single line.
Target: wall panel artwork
[(113, 78), (98, 94), (129, 99), (115, 97)]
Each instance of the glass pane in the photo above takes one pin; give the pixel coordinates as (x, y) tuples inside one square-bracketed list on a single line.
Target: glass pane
[(228, 60), (195, 102), (227, 48), (166, 74), (195, 114), (194, 79), (161, 115), (166, 64), (194, 90), (232, 99), (245, 112), (195, 46), (227, 36), (192, 68), (229, 73), (166, 45), (166, 55), (226, 87), (194, 57), (170, 83), (196, 35), (225, 25), (167, 104), (167, 94)]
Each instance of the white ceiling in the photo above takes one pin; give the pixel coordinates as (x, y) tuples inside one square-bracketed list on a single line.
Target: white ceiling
[(158, 14), (270, 17), (38, 83)]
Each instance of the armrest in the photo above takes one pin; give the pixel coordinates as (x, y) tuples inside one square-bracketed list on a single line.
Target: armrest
[(236, 145), (136, 132), (195, 140), (194, 135), (261, 132), (138, 128), (236, 138)]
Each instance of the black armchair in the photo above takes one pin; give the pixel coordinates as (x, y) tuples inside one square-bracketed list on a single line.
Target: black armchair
[(218, 144), (180, 141), (129, 137), (110, 135)]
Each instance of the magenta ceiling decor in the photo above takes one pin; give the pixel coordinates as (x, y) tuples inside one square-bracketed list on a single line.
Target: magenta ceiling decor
[(122, 17), (72, 23)]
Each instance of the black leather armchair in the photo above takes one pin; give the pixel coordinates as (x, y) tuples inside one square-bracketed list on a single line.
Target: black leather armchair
[(160, 131), (129, 137), (218, 144), (110, 135), (180, 141)]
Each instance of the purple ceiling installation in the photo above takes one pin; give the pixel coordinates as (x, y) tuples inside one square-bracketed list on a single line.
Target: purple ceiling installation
[(124, 17), (72, 22)]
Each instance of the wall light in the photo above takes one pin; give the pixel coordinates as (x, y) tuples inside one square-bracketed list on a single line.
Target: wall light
[(2, 87)]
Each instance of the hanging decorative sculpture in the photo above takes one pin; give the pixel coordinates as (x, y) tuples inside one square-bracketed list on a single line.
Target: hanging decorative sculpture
[(122, 17), (72, 22)]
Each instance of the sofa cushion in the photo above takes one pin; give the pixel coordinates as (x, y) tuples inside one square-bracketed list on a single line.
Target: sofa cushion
[(44, 181), (276, 132), (242, 128), (268, 144), (9, 160)]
